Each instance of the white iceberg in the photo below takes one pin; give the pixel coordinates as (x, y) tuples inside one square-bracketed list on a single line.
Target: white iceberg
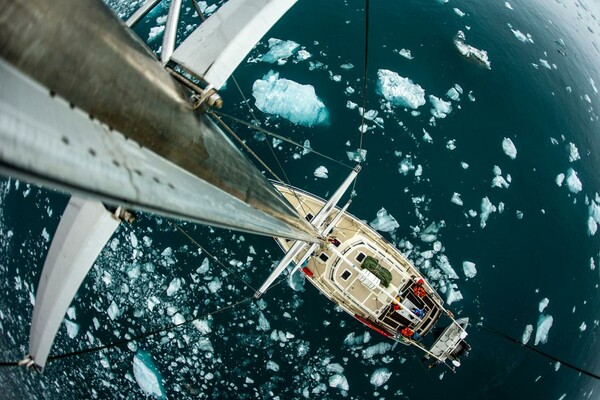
[(339, 381), (456, 199), (290, 100), (527, 334), (543, 304), (398, 90), (445, 266), (573, 152), (486, 209), (72, 328), (321, 172), (384, 222), (573, 182), (359, 155), (469, 269), (468, 51), (406, 54), (560, 179), (280, 50), (174, 286), (147, 375), (440, 108), (543, 327), (509, 148), (380, 376), (522, 37)]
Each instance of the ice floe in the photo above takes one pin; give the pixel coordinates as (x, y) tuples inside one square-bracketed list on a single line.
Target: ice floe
[(486, 209), (509, 148), (174, 286), (543, 328), (452, 294), (384, 222), (113, 311), (72, 328), (593, 216), (398, 90), (582, 327), (468, 51), (527, 334), (290, 100), (469, 269), (573, 182), (444, 264), (522, 37), (543, 304), (559, 179), (380, 376), (459, 12), (406, 53), (359, 155), (279, 51), (508, 5), (440, 108), (321, 172), (456, 199), (573, 152), (147, 375), (155, 32)]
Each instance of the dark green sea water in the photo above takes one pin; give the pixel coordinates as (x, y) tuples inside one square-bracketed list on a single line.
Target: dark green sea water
[(520, 261)]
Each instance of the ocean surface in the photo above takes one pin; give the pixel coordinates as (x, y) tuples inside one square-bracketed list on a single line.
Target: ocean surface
[(536, 255)]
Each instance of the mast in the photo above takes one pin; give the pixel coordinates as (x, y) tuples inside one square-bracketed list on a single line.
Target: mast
[(123, 88)]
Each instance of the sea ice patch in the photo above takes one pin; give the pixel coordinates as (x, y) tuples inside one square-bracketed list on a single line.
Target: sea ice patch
[(543, 328), (573, 182), (509, 148), (321, 172), (279, 51), (440, 108), (147, 375), (469, 269), (290, 100), (398, 90), (384, 222)]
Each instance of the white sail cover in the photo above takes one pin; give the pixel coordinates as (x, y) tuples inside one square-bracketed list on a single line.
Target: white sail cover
[(83, 231), (214, 50)]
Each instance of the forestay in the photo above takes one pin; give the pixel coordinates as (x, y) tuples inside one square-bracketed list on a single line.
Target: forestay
[(214, 50)]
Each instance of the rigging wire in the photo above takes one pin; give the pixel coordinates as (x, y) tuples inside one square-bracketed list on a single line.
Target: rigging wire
[(364, 92), (549, 356)]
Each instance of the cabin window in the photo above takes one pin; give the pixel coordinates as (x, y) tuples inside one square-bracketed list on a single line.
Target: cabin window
[(360, 257), (336, 242), (309, 217), (346, 274), (323, 257)]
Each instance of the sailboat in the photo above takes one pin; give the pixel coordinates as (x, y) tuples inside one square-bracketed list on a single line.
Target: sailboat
[(117, 126)]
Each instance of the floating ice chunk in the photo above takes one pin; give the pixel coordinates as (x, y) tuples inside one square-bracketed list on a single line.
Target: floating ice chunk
[(592, 263), (406, 165), (468, 51), (427, 137), (296, 281), (173, 286), (178, 319), (351, 105), (464, 165), (453, 94), (384, 222), (543, 304), (527, 334), (593, 85), (459, 12), (469, 269), (573, 182), (453, 295), (347, 66), (71, 313), (543, 327), (290, 100), (279, 50), (559, 179), (398, 90), (500, 182), (321, 172), (509, 148), (522, 37), (519, 214), (594, 216), (215, 285), (353, 340), (147, 375), (573, 152), (440, 108), (45, 235), (445, 266), (582, 327), (471, 96), (155, 32), (202, 326), (486, 209), (334, 368), (72, 328), (380, 376), (152, 302), (451, 145), (204, 267), (508, 5), (113, 311), (376, 349), (456, 199), (587, 98), (272, 366), (303, 55), (406, 53), (339, 381), (545, 63), (359, 155)]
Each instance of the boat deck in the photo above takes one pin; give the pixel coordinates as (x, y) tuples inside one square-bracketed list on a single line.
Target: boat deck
[(339, 277)]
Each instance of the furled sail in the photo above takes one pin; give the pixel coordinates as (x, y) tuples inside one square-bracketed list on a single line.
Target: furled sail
[(121, 84), (86, 226), (215, 49)]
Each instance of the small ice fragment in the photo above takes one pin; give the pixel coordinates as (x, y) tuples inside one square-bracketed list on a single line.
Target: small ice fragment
[(459, 12), (469, 269), (303, 55), (173, 286), (384, 222), (279, 50), (147, 375), (72, 328), (509, 148), (527, 334), (347, 66), (559, 179), (406, 54), (272, 366), (486, 209), (573, 152), (522, 37), (444, 264), (398, 90), (471, 52), (155, 32), (519, 214), (456, 199), (453, 94), (543, 304), (427, 137), (543, 327), (406, 165), (452, 295), (440, 108), (508, 5), (113, 311), (545, 63), (582, 327), (573, 182), (380, 376), (215, 285), (339, 381), (464, 165), (321, 172), (359, 155)]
